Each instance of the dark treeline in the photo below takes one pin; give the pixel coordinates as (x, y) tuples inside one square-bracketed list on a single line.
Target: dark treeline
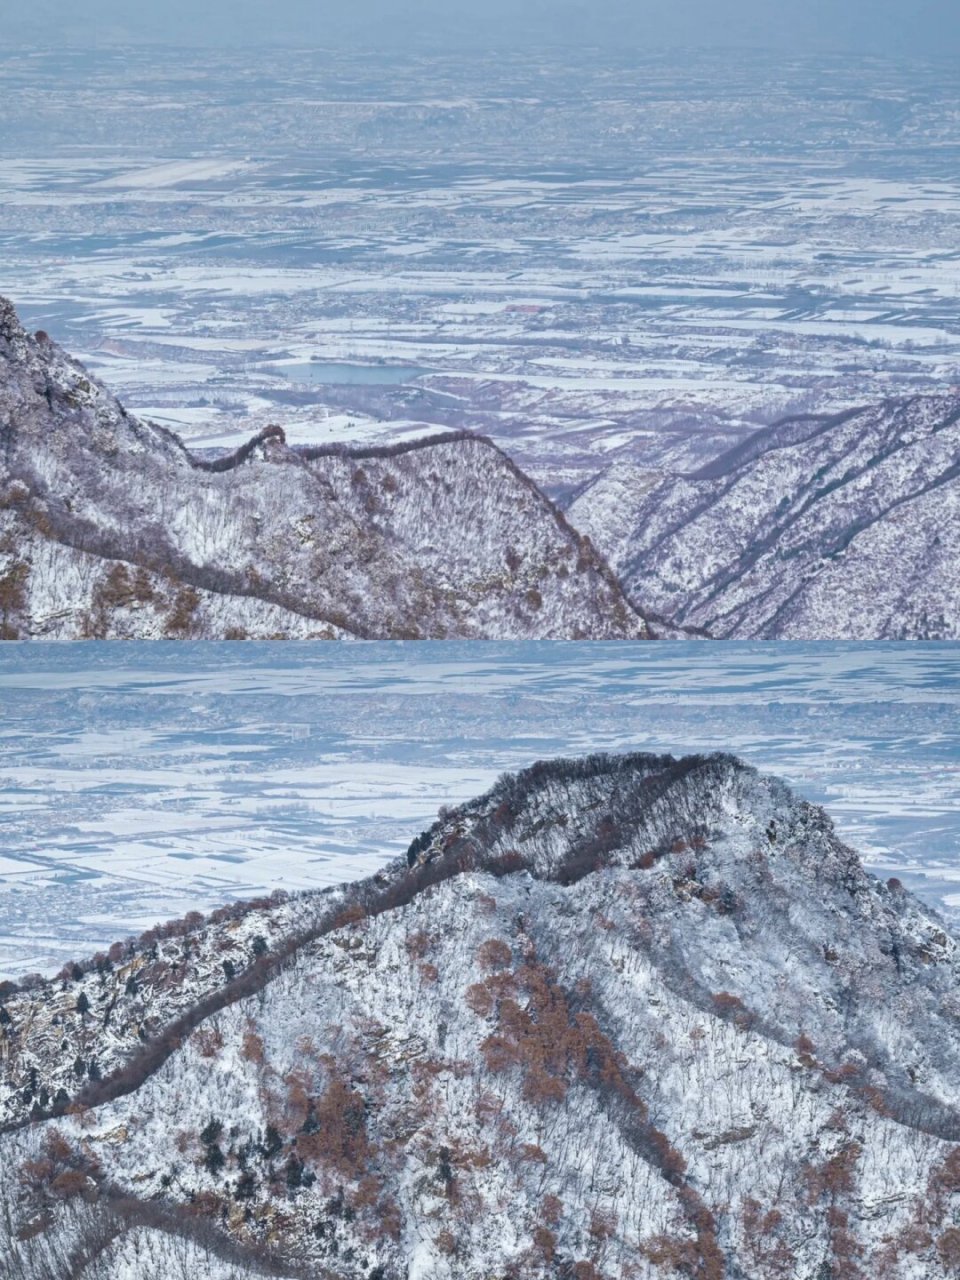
[(231, 460)]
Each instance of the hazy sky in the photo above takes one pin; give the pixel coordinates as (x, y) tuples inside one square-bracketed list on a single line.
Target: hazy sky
[(869, 26)]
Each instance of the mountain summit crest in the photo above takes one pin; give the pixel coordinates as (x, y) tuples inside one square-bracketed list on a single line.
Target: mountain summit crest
[(110, 528), (620, 1016)]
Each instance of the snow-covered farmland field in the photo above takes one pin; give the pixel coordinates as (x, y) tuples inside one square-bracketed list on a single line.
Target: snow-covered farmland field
[(590, 261), (141, 781)]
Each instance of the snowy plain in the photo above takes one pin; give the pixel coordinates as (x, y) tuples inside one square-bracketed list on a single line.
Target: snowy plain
[(141, 781), (595, 260)]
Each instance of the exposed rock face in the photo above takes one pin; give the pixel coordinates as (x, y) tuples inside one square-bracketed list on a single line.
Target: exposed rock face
[(624, 1016), (109, 528), (816, 528)]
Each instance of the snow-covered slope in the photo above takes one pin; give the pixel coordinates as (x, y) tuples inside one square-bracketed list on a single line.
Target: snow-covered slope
[(109, 528), (847, 527), (620, 1017)]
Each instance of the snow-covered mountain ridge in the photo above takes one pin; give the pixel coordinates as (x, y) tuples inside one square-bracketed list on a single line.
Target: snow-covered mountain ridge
[(845, 528), (626, 1016), (110, 528)]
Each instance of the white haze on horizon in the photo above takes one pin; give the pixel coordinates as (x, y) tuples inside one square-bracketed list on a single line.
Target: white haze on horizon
[(885, 27)]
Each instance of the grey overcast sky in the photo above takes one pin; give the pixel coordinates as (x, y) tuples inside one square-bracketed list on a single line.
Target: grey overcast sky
[(891, 27)]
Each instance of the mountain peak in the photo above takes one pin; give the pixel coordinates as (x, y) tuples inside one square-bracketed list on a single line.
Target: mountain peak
[(677, 957), (110, 528)]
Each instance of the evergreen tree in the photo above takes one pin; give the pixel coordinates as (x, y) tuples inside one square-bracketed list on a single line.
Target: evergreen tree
[(211, 1132), (272, 1143)]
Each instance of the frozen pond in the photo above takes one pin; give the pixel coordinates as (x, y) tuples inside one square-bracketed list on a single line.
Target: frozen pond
[(138, 781)]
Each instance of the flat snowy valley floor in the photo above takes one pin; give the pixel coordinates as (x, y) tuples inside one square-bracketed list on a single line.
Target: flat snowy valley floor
[(140, 781), (591, 260)]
